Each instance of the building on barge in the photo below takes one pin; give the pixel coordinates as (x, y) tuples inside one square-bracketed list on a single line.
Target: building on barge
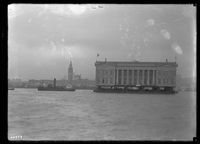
[(136, 75)]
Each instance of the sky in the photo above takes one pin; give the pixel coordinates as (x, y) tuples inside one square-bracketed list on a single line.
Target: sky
[(44, 38)]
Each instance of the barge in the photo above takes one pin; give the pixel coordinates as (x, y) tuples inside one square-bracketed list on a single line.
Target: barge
[(136, 90)]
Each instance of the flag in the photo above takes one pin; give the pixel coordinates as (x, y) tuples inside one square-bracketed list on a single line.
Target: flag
[(97, 55)]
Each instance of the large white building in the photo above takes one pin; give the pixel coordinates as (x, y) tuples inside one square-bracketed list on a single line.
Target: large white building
[(162, 74)]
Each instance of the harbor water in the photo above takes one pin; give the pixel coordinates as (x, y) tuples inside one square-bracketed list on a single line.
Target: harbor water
[(85, 115)]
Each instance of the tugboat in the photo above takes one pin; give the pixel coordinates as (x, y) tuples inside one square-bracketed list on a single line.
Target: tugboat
[(56, 88), (11, 88)]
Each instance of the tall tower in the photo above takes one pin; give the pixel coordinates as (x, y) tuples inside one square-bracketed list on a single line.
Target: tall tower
[(70, 72)]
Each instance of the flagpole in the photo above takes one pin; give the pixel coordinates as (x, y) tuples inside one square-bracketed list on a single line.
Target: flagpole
[(97, 57), (175, 58)]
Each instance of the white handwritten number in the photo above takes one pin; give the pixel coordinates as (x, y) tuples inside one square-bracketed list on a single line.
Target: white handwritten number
[(16, 137)]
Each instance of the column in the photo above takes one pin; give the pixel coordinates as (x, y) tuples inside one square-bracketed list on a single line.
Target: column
[(127, 77), (100, 76), (142, 77), (161, 77), (147, 77), (153, 78), (117, 73), (122, 78), (156, 77), (138, 76), (132, 76), (108, 76), (96, 76), (113, 76)]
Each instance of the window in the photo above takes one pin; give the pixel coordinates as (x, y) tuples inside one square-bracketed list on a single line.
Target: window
[(169, 73), (124, 80), (172, 81), (140, 73), (135, 73), (125, 73), (130, 72), (119, 80), (159, 81), (130, 81)]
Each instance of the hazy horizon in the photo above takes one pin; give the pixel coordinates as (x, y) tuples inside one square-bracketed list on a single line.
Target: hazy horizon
[(42, 39)]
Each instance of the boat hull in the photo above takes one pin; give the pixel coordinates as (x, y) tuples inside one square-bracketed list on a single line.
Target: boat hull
[(56, 89), (134, 91)]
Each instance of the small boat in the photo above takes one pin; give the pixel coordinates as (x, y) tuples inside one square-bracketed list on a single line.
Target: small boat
[(56, 88), (11, 88)]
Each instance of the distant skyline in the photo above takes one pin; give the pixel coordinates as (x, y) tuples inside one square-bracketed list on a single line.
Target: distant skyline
[(42, 39)]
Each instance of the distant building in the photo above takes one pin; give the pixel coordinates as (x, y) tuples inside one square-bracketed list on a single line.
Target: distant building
[(34, 83), (162, 74), (178, 80), (77, 77), (70, 72), (81, 82), (73, 79), (84, 82), (64, 78), (17, 79)]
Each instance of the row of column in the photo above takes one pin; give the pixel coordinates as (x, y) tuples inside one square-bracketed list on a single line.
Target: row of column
[(133, 77)]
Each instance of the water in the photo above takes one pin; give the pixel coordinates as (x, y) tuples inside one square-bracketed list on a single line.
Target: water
[(84, 115)]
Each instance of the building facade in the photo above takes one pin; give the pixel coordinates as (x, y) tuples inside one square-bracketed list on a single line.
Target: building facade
[(162, 74)]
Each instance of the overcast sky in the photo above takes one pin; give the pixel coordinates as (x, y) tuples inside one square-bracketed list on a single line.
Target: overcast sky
[(42, 39)]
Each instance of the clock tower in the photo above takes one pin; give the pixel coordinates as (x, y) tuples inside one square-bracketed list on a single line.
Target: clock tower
[(70, 72)]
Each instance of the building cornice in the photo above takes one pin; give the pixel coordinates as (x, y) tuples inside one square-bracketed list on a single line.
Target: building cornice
[(115, 63)]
